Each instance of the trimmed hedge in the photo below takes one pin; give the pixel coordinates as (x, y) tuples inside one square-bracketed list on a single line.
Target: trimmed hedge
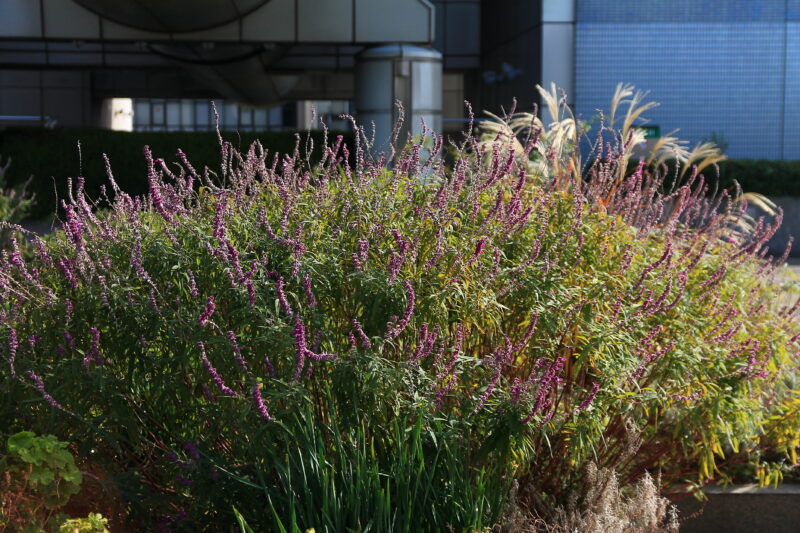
[(51, 156), (769, 177)]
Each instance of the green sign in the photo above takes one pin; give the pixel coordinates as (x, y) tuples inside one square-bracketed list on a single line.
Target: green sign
[(651, 132)]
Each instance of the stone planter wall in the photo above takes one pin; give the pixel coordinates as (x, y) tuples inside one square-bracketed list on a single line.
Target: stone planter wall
[(743, 509)]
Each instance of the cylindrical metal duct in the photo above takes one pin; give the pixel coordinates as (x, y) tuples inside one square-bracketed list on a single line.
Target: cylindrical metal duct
[(408, 73), (172, 16)]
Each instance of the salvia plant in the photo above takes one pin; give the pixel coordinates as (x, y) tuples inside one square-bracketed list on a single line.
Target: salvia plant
[(345, 338)]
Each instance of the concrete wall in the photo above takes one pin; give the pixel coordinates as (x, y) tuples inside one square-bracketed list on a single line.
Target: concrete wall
[(743, 509)]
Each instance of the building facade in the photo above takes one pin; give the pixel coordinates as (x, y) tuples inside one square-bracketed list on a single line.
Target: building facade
[(721, 69)]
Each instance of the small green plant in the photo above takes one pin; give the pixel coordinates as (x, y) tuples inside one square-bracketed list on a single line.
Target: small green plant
[(94, 523), (40, 477)]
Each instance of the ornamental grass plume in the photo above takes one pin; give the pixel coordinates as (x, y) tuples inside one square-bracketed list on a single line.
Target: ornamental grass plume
[(407, 324)]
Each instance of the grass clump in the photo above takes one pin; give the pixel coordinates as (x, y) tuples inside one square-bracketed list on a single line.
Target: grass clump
[(390, 343)]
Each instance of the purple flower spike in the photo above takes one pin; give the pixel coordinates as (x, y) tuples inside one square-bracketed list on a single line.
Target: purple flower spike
[(13, 344), (237, 351), (282, 297), (258, 401), (206, 314), (396, 329), (312, 301), (66, 268), (208, 394), (215, 377), (33, 339), (479, 248), (155, 187), (94, 350), (193, 286), (590, 398), (528, 333), (361, 335), (360, 258), (270, 368), (363, 249), (39, 385), (299, 335), (193, 451), (70, 340), (302, 351)]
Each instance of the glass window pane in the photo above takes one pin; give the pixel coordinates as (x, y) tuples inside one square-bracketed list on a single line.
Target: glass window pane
[(260, 119), (159, 114), (174, 114), (202, 115), (141, 114), (275, 117), (231, 116), (187, 115), (246, 118)]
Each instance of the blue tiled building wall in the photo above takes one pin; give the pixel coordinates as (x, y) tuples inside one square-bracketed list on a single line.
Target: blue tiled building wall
[(729, 67)]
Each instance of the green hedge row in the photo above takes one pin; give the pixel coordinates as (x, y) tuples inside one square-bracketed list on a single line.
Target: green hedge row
[(51, 156), (766, 176)]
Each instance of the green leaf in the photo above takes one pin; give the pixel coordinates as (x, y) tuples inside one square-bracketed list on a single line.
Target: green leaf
[(20, 441), (243, 527)]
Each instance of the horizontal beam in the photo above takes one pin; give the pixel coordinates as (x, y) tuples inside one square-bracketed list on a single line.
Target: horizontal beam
[(277, 21)]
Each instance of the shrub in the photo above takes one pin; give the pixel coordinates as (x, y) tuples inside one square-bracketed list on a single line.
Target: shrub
[(390, 344)]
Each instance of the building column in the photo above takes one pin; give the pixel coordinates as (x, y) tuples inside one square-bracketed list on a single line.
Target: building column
[(398, 72), (558, 48), (116, 114)]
